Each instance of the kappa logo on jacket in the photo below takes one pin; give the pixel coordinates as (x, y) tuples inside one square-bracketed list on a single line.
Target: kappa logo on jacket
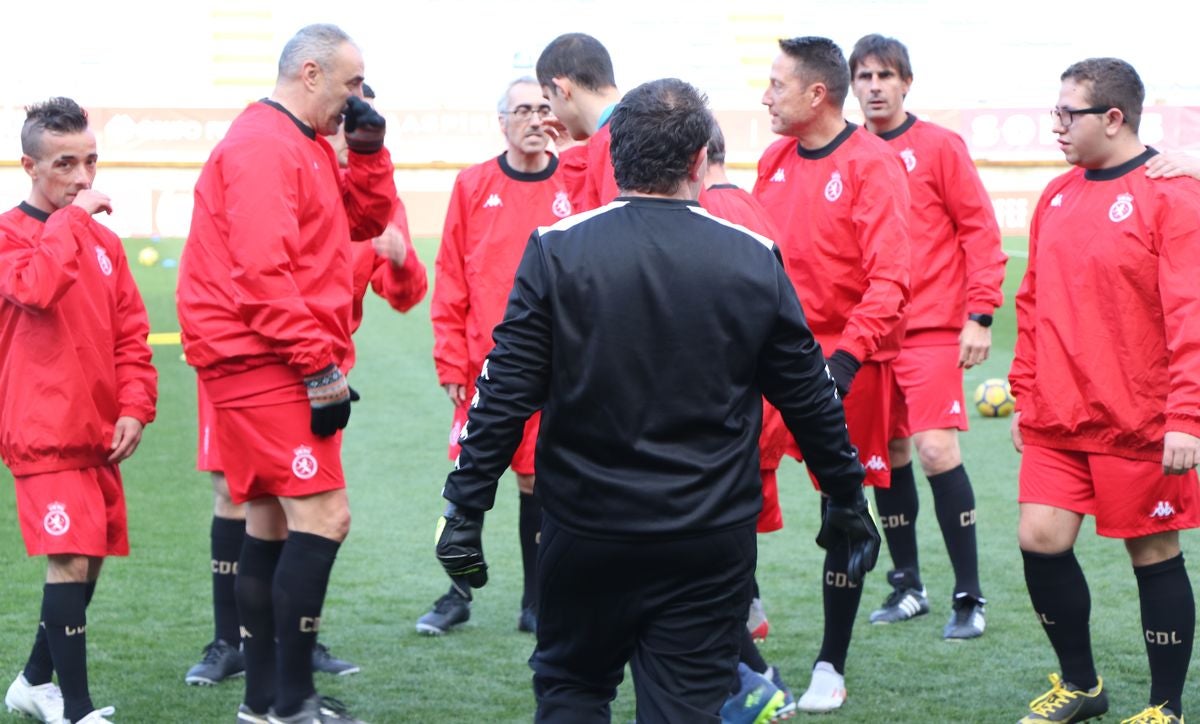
[(106, 266), (909, 158), (1164, 509), (779, 177), (1057, 200), (1121, 208), (833, 189), (493, 202)]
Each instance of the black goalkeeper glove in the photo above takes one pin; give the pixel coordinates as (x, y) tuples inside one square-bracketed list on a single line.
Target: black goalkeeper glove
[(460, 547), (842, 367), (852, 523), (364, 126), (329, 397)]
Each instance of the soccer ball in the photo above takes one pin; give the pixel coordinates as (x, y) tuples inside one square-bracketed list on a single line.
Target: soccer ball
[(993, 398), (148, 256)]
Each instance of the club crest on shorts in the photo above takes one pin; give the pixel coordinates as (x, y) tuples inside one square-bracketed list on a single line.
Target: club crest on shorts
[(304, 465), (909, 158), (104, 261), (1121, 208), (562, 205), (56, 522), (833, 189)]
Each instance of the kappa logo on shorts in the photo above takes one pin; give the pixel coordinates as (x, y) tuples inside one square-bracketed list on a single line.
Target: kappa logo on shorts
[(304, 465), (875, 463), (56, 522), (562, 205), (1121, 208), (955, 408), (105, 262), (909, 158), (1164, 509), (833, 189)]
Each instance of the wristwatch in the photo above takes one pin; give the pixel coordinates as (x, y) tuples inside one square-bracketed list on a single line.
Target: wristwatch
[(983, 320)]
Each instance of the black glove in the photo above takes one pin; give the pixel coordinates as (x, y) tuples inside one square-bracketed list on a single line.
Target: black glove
[(329, 397), (460, 547), (842, 367), (364, 126), (851, 522)]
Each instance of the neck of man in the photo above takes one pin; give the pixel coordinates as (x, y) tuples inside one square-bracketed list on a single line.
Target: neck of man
[(1124, 148), (40, 202), (822, 130), (534, 162), (687, 190), (883, 125), (593, 104), (291, 97), (715, 175)]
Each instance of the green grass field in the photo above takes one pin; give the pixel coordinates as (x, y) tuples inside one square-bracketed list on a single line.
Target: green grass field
[(152, 613)]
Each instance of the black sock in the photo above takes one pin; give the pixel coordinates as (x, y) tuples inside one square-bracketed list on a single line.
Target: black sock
[(39, 669), (227, 537), (256, 570), (750, 655), (299, 593), (841, 599), (898, 507), (529, 525), (1169, 623), (64, 613), (1060, 597), (954, 503)]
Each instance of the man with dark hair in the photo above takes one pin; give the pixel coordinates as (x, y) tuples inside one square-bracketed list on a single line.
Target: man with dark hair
[(493, 208), (265, 299), (1113, 256), (838, 195), (576, 75), (649, 484), (78, 388), (957, 273)]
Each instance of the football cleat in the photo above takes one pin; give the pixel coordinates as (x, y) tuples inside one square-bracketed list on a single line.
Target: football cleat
[(1154, 715), (1067, 703), (966, 618), (97, 716), (246, 715), (42, 702), (906, 600), (788, 710), (317, 709), (826, 691), (757, 622), (221, 661), (327, 663), (756, 702), (448, 611)]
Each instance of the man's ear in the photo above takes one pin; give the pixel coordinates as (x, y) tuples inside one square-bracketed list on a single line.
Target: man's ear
[(563, 87), (698, 164), (29, 163), (310, 74)]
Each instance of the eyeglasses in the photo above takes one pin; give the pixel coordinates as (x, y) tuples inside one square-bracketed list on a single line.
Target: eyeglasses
[(1066, 116), (523, 112)]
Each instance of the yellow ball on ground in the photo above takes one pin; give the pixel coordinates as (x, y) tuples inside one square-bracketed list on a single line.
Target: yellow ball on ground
[(993, 398), (148, 256)]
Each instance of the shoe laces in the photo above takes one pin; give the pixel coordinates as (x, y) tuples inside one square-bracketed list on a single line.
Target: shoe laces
[(898, 594), (212, 653), (1151, 715), (1053, 700), (446, 603), (321, 651)]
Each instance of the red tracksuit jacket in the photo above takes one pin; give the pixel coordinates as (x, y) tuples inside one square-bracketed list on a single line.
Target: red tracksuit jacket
[(842, 212), (1108, 315), (73, 351)]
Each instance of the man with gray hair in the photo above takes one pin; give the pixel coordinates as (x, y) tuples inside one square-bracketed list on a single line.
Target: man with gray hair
[(264, 301), (493, 208)]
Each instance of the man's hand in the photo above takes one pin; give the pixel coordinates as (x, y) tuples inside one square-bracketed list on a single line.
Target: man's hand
[(93, 202), (329, 397), (1181, 452), (127, 434), (460, 547), (391, 245), (456, 392), (364, 126), (1170, 165), (974, 344), (842, 367), (1015, 430), (852, 523)]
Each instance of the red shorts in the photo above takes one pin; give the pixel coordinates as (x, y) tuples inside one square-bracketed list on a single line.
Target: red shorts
[(1129, 498), (929, 391), (771, 517), (522, 462), (208, 453), (274, 453), (73, 512), (868, 418)]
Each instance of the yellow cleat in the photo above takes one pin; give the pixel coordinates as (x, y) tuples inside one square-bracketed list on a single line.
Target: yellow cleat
[(1154, 715), (1067, 703)]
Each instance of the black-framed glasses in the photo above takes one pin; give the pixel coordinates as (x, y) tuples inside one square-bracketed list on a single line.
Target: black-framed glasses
[(524, 111), (1066, 116)]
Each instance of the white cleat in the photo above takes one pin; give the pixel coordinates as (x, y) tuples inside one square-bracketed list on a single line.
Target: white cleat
[(42, 702), (97, 716), (826, 691)]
